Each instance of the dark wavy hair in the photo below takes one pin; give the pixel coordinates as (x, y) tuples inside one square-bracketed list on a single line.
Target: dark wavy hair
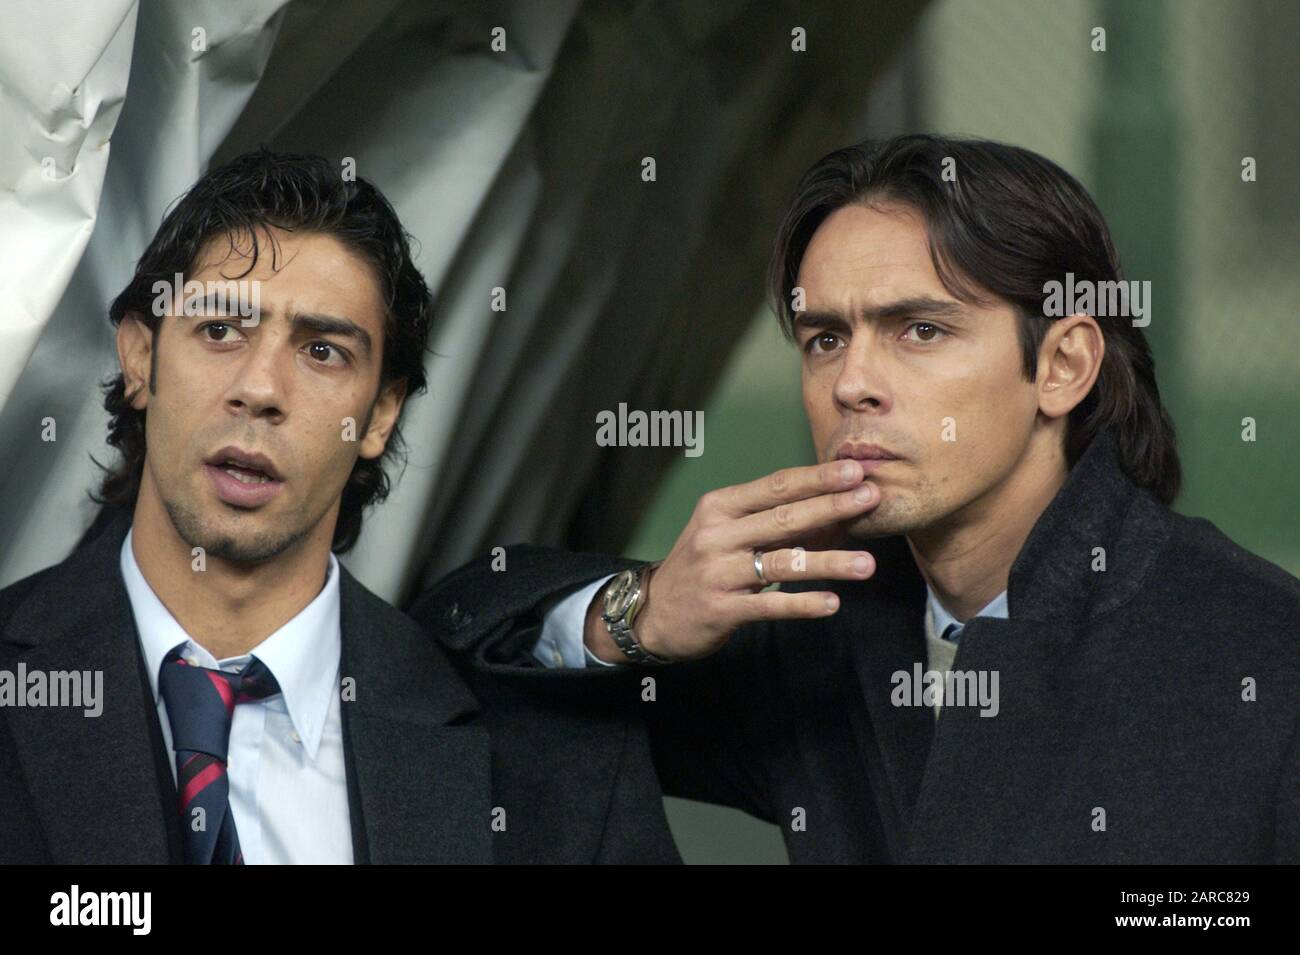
[(245, 197), (1010, 222)]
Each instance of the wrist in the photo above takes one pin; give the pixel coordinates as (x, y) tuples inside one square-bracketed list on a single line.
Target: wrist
[(642, 628), (595, 632), (616, 634)]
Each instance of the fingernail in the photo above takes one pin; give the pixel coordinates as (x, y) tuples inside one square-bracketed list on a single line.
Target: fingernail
[(832, 602), (861, 565), (863, 494), (848, 471)]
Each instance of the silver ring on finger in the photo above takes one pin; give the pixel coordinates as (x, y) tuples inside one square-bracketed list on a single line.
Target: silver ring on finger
[(758, 569)]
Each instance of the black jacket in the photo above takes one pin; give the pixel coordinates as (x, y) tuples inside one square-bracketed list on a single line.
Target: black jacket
[(1121, 697), (430, 753)]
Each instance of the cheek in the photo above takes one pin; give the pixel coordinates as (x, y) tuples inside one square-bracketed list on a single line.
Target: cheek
[(336, 444), (187, 382), (987, 403), (1005, 404), (173, 409), (994, 415)]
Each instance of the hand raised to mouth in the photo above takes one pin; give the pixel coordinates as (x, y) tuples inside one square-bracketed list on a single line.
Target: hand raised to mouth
[(710, 583)]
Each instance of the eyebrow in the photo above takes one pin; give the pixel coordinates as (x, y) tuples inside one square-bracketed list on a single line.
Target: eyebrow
[(922, 306)]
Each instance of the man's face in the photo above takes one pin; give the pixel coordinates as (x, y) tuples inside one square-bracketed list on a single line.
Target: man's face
[(891, 358), (284, 388)]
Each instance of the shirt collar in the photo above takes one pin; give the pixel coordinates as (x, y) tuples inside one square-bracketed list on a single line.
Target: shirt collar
[(997, 607), (303, 655)]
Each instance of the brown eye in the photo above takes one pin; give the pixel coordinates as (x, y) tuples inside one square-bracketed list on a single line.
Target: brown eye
[(822, 343), (222, 325), (925, 332), (334, 356)]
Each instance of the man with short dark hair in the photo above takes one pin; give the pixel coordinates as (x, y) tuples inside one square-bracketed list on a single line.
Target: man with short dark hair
[(994, 641), (260, 704)]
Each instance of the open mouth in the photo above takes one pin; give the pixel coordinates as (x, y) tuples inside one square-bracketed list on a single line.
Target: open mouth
[(242, 485), (245, 475)]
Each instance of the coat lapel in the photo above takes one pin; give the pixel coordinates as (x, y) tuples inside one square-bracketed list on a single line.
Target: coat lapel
[(832, 740), (94, 779), (418, 759), (881, 622), (973, 756)]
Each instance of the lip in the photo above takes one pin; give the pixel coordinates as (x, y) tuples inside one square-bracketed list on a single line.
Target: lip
[(870, 456), (233, 491), (250, 459)]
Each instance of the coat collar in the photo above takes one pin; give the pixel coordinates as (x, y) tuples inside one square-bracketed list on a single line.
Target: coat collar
[(1053, 590), (417, 761), (1098, 519)]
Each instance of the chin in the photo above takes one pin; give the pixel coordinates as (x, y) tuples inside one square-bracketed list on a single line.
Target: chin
[(891, 518), (237, 539), (251, 548)]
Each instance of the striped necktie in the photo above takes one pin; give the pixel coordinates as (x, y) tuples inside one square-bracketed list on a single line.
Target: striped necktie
[(200, 707)]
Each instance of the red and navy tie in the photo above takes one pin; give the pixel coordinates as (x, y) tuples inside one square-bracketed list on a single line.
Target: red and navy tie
[(200, 707)]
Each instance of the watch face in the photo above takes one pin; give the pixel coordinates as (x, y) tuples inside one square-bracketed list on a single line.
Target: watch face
[(619, 595)]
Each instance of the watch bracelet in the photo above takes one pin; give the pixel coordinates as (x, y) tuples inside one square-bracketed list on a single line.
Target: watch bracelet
[(620, 630)]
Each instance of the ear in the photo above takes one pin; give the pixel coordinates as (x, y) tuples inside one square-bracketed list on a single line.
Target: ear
[(383, 418), (1068, 363), (135, 355)]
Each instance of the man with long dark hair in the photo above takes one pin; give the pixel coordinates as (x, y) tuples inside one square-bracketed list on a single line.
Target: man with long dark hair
[(258, 703), (994, 641)]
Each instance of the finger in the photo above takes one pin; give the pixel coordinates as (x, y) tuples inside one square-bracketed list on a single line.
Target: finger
[(774, 605), (833, 537), (794, 564), (786, 523), (789, 484)]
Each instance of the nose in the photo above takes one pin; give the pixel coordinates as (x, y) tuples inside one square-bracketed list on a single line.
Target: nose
[(860, 385), (259, 383)]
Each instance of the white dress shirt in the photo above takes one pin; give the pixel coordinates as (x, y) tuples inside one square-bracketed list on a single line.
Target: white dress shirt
[(997, 607), (288, 788), (941, 651), (561, 644)]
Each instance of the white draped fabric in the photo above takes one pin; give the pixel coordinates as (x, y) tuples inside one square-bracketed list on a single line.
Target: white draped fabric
[(520, 168)]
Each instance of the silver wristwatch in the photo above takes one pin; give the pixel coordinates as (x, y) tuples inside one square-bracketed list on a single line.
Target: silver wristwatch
[(624, 598)]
